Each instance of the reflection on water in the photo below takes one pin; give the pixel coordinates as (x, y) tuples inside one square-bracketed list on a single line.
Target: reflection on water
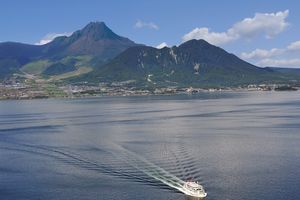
[(237, 145), (192, 198)]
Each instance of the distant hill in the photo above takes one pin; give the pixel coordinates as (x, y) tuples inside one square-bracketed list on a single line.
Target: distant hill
[(95, 40), (193, 63), (285, 70), (13, 55)]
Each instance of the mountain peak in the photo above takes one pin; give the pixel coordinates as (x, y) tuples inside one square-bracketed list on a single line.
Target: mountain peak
[(97, 31), (94, 39), (195, 42), (95, 25)]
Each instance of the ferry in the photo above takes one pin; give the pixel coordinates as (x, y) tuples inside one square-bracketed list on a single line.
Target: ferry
[(194, 189)]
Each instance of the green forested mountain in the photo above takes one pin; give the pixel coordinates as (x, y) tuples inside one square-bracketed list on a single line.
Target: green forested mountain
[(193, 63)]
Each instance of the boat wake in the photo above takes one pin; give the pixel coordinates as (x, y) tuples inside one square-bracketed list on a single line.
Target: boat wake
[(115, 165), (153, 171)]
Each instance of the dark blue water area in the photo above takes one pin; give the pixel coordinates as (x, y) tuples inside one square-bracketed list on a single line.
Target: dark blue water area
[(238, 145)]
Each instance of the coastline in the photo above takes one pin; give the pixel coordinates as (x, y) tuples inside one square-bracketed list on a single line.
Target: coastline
[(125, 92)]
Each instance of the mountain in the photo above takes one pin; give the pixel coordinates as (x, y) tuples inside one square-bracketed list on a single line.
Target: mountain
[(193, 63), (94, 39), (95, 43), (97, 54), (13, 55)]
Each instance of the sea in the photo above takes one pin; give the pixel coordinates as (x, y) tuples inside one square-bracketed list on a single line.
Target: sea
[(237, 145)]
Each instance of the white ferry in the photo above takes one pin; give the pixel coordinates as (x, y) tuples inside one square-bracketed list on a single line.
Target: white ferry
[(194, 189)]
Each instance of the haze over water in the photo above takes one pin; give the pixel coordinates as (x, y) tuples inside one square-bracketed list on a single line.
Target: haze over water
[(237, 145)]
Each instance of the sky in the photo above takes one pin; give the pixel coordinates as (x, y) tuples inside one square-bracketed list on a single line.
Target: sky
[(263, 32)]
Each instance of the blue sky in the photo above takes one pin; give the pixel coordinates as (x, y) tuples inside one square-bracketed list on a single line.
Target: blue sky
[(264, 32)]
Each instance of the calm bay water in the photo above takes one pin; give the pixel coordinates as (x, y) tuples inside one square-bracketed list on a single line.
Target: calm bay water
[(237, 145)]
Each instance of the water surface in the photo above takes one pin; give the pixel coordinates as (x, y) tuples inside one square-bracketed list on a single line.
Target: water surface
[(237, 145)]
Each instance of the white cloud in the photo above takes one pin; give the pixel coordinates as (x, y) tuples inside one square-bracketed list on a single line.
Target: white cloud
[(51, 36), (162, 45), (150, 25), (211, 37), (280, 62), (275, 57), (294, 46), (266, 24), (262, 53)]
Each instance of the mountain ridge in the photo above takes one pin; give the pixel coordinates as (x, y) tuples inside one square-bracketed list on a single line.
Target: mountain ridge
[(193, 63), (96, 54)]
